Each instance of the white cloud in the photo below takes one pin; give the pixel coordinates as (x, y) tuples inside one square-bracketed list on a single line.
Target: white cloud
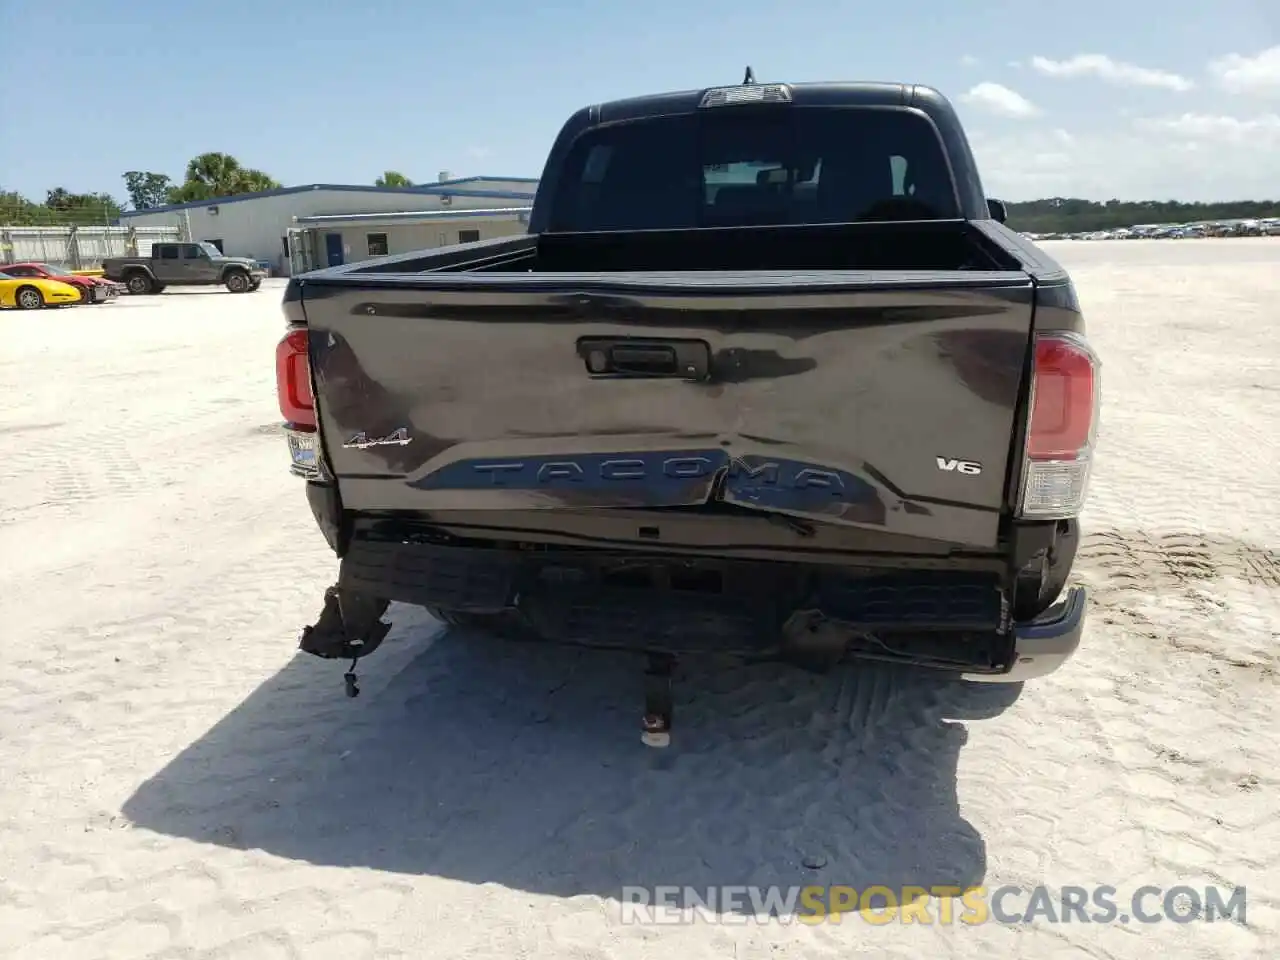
[(996, 98), (1187, 157), (1113, 71), (1253, 75), (478, 153), (1261, 131), (969, 60)]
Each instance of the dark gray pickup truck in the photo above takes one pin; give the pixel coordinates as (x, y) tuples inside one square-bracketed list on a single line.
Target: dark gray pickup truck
[(768, 376), (184, 265)]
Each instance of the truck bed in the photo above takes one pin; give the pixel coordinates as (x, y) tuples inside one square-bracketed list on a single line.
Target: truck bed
[(939, 245), (872, 385)]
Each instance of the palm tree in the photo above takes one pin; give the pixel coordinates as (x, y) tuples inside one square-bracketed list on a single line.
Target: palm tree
[(213, 175)]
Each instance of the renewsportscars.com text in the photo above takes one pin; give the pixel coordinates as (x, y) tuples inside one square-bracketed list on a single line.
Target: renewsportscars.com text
[(932, 905)]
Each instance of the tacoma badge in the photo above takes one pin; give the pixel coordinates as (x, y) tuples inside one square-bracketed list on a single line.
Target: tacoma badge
[(362, 441)]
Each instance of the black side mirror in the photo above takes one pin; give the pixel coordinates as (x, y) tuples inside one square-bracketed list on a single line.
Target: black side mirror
[(999, 212)]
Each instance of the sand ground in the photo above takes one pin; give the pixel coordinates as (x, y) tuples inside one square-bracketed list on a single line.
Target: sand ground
[(175, 782)]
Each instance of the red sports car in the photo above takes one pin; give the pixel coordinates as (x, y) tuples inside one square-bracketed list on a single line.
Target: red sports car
[(92, 289)]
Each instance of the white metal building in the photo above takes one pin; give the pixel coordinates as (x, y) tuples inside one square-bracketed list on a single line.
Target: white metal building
[(330, 239), (257, 225)]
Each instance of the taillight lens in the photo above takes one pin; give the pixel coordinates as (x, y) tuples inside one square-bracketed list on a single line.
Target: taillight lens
[(293, 381), (1062, 426)]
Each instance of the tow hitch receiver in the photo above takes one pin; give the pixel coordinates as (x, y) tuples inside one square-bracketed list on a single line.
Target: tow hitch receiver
[(349, 627), (656, 728)]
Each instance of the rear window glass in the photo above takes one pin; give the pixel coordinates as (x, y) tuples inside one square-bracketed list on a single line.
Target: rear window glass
[(747, 167)]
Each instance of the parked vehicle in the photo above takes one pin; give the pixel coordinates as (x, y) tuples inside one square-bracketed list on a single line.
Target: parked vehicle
[(34, 293), (768, 376), (90, 289), (184, 265)]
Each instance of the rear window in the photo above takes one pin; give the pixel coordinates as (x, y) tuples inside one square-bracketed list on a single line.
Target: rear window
[(747, 167)]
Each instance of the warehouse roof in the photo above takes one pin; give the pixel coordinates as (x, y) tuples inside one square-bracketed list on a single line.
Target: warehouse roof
[(409, 216), (454, 188)]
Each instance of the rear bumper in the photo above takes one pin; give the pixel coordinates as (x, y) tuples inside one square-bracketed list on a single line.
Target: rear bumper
[(953, 619), (1044, 644)]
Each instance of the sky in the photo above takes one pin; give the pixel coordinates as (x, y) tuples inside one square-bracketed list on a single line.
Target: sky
[(1125, 99)]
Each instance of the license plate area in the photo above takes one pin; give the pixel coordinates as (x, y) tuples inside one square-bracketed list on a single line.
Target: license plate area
[(304, 459)]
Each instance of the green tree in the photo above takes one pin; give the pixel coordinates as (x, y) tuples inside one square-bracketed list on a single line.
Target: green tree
[(147, 189), (16, 210), (212, 175), (393, 178), (61, 206)]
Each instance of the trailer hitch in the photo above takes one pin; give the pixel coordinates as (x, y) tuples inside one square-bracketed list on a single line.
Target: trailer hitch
[(349, 627), (656, 725)]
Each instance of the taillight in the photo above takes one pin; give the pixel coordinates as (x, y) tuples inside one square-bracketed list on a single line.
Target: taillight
[(293, 381), (1062, 426), (297, 405)]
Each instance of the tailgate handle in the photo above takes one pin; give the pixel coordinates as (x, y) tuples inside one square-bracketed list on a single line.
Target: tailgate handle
[(626, 357), (653, 361)]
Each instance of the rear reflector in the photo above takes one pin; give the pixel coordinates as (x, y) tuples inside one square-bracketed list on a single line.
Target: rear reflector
[(293, 381), (1062, 426)]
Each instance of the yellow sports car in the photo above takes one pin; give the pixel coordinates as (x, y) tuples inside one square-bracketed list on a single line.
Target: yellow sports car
[(32, 293)]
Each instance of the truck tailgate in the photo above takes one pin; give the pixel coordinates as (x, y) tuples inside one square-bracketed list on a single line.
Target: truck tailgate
[(881, 400)]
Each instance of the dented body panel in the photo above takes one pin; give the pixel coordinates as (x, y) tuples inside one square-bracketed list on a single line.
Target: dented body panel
[(832, 405)]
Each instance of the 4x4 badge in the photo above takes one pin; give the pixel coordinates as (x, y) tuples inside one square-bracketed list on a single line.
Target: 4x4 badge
[(362, 441)]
